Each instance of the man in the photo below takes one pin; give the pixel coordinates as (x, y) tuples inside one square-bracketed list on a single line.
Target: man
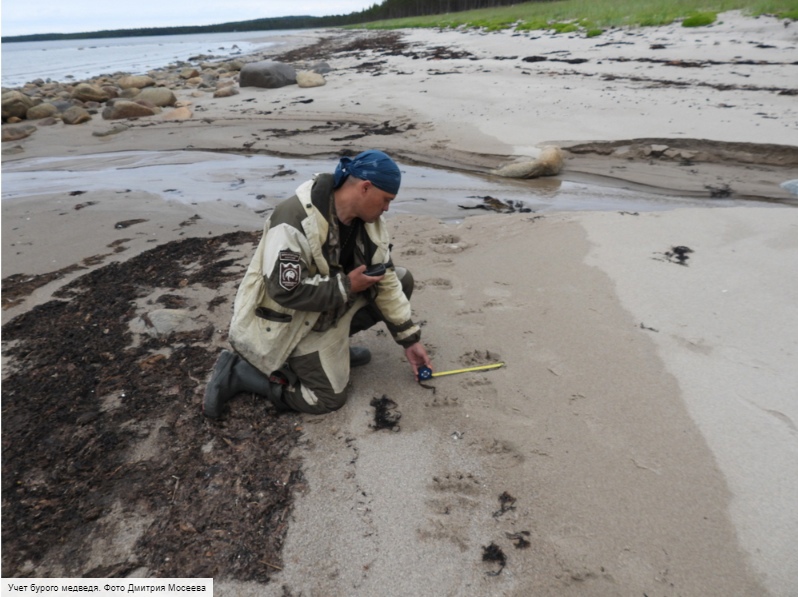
[(306, 291)]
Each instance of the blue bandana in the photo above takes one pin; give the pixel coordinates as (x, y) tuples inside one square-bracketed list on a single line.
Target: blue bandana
[(371, 165)]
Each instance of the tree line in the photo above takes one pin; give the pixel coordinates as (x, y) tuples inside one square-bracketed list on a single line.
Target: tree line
[(388, 9)]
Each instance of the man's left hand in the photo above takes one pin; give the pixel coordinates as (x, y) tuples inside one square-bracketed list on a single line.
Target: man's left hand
[(417, 357)]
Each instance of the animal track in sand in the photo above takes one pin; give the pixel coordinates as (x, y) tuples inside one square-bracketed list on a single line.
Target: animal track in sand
[(454, 494), (481, 394), (502, 454), (448, 243), (478, 357), (443, 401), (496, 304), (461, 312), (445, 239), (470, 383), (440, 283)]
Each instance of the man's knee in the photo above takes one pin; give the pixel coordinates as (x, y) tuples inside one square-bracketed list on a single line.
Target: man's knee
[(313, 391), (406, 279), (314, 402)]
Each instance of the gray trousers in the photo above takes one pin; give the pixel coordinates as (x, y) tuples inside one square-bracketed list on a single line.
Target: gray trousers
[(318, 369)]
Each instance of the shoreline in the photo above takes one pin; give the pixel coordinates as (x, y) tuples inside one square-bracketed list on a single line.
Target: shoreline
[(709, 157), (611, 455)]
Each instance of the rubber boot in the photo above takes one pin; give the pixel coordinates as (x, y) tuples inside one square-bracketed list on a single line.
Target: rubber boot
[(232, 375)]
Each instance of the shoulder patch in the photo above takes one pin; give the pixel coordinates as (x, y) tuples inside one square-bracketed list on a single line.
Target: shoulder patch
[(290, 269)]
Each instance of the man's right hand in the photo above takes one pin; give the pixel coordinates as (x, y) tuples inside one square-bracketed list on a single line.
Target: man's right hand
[(360, 281)]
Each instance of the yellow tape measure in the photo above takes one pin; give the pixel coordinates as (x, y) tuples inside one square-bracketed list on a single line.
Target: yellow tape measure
[(426, 372)]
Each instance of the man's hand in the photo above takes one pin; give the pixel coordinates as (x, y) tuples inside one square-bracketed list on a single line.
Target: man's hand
[(360, 281), (417, 357)]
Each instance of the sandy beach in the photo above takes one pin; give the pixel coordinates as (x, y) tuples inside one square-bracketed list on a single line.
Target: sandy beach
[(642, 437)]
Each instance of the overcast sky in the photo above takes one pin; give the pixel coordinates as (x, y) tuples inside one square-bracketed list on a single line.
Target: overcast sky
[(23, 17)]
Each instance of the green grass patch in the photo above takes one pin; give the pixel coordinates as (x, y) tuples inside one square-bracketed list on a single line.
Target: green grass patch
[(591, 16), (531, 25), (564, 27), (700, 19)]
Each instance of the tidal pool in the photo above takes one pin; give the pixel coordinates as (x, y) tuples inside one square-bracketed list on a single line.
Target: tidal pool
[(260, 182)]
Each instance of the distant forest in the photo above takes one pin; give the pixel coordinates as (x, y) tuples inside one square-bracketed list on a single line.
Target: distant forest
[(388, 9)]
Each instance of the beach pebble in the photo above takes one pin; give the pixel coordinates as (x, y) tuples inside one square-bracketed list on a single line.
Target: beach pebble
[(86, 92), (117, 128), (189, 73), (226, 92), (44, 110), (157, 96), (137, 81), (182, 113), (75, 115), (126, 109)]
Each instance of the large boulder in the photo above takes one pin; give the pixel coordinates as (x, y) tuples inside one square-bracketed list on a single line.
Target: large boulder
[(137, 81), (158, 96), (126, 109), (86, 92), (267, 74), (15, 104)]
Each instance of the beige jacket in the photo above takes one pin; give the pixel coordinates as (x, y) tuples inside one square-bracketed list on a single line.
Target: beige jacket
[(265, 332)]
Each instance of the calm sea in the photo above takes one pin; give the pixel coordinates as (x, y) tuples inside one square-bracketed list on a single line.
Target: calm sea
[(75, 60)]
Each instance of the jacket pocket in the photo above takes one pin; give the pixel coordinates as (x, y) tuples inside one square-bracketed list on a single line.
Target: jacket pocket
[(272, 315)]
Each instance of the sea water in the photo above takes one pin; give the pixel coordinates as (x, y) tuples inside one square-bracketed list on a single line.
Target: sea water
[(80, 59), (260, 182)]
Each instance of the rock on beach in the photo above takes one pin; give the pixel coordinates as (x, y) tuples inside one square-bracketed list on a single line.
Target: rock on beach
[(16, 104), (15, 133), (158, 96), (548, 163), (137, 81), (309, 79), (87, 92), (126, 109), (267, 74)]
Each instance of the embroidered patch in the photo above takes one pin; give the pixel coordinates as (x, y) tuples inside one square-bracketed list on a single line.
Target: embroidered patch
[(290, 269), (289, 256)]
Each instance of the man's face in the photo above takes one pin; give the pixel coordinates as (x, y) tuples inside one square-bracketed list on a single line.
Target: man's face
[(374, 202)]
